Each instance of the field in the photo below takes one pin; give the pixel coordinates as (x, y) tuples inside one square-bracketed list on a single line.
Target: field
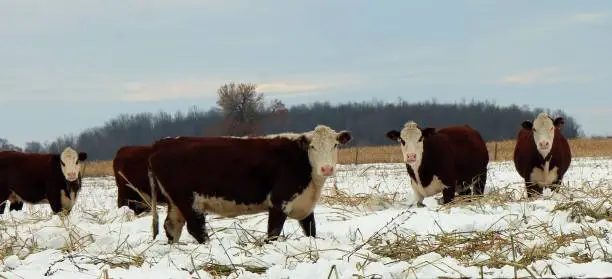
[(498, 151), (366, 229)]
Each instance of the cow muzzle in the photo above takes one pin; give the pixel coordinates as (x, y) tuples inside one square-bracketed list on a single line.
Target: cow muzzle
[(544, 145), (410, 158), (71, 176), (327, 170)]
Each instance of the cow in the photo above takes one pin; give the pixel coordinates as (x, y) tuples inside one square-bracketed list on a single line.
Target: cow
[(282, 174), (542, 154), (130, 167), (40, 178), (450, 160)]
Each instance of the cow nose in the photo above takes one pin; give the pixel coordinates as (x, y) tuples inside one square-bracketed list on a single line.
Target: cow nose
[(411, 157), (544, 145), (327, 170)]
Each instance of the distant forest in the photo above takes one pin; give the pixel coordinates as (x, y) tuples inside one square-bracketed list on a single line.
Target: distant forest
[(242, 110)]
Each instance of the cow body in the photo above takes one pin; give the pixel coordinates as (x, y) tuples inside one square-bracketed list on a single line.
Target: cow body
[(542, 154), (451, 160), (130, 167), (229, 176), (40, 178)]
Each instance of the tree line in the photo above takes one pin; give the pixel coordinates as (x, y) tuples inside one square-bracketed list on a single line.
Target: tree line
[(241, 110)]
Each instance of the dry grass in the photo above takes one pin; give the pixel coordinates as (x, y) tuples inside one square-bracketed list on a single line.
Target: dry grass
[(498, 151), (520, 245)]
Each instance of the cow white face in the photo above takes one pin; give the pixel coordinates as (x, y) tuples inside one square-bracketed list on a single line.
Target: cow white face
[(322, 147), (411, 142), (69, 162), (543, 133)]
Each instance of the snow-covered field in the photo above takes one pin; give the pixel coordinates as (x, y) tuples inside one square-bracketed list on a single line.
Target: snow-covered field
[(365, 230)]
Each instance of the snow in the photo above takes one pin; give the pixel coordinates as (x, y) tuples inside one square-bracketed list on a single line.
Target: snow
[(98, 238)]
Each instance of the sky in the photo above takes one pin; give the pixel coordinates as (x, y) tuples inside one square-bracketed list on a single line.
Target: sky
[(66, 66)]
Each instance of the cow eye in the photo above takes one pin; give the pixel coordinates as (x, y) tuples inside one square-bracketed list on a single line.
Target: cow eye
[(62, 162), (335, 145)]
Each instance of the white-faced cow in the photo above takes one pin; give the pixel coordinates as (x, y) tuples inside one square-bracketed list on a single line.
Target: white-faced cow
[(452, 159), (40, 178), (229, 176), (542, 154)]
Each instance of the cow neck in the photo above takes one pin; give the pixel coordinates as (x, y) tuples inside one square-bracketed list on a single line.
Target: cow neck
[(545, 159), (317, 180), (72, 186)]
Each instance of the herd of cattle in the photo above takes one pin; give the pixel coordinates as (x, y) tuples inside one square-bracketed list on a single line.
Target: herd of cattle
[(282, 174)]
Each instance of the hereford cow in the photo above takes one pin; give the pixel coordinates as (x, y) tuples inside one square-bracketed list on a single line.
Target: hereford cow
[(130, 166), (452, 159), (40, 178), (230, 176), (542, 154)]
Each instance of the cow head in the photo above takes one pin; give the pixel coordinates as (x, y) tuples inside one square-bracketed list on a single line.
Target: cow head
[(411, 140), (322, 145), (543, 128), (69, 162)]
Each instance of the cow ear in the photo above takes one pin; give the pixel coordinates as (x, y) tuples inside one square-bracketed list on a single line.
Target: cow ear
[(303, 142), (344, 137), (428, 132), (82, 156), (393, 135), (528, 125), (559, 121)]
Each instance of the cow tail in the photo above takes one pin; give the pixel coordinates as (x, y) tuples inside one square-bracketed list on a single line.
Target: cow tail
[(154, 215)]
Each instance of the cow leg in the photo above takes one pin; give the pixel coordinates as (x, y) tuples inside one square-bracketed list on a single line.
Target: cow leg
[(196, 222), (417, 196), (479, 184), (554, 187), (16, 205), (448, 194), (533, 188), (308, 225), (276, 221), (55, 201), (465, 192), (4, 195), (122, 197), (173, 225)]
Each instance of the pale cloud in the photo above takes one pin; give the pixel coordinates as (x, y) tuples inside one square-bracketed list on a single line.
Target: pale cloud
[(169, 90), (287, 87), (543, 75), (548, 75), (590, 17), (190, 88)]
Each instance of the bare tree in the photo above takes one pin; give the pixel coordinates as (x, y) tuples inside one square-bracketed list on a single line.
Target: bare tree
[(6, 145), (244, 108), (34, 147)]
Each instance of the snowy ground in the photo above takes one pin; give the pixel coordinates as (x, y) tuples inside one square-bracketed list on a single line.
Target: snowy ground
[(365, 230)]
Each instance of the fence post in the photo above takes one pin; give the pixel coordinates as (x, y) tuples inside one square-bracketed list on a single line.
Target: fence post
[(495, 153), (356, 155)]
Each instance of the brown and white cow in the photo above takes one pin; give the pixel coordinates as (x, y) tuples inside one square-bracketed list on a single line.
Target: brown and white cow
[(130, 167), (449, 160), (230, 176), (40, 178), (542, 154)]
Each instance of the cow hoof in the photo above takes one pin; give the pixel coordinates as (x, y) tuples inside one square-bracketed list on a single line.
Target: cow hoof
[(420, 204)]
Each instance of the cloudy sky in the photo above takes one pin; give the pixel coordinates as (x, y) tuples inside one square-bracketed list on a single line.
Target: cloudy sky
[(69, 65)]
